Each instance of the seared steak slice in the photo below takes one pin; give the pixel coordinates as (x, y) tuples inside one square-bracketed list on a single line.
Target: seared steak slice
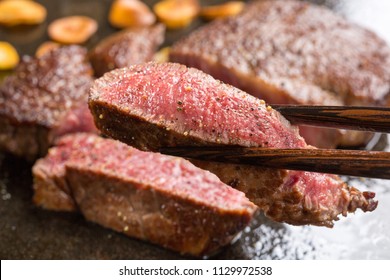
[(131, 46), (159, 105), (45, 98), (51, 191), (294, 52), (158, 198)]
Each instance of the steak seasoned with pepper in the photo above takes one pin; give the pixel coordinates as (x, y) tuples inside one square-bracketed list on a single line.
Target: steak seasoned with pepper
[(298, 53), (151, 106), (162, 199), (127, 47), (45, 98)]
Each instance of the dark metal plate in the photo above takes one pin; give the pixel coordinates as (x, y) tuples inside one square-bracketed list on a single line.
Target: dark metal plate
[(27, 232)]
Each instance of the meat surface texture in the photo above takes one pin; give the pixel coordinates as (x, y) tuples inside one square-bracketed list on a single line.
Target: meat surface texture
[(45, 98), (294, 52), (153, 105), (162, 199), (127, 47)]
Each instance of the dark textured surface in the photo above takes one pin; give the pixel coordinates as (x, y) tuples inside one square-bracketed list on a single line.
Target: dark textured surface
[(27, 232)]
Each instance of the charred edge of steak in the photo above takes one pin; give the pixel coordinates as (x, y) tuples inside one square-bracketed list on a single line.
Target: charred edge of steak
[(131, 130), (174, 223), (298, 209), (367, 205)]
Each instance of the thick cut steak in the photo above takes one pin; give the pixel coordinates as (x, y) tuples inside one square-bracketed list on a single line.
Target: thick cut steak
[(154, 105), (162, 199), (294, 52), (45, 98), (127, 47)]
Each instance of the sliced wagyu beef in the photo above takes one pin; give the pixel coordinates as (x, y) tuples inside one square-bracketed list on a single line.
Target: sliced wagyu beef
[(152, 105), (162, 199), (294, 52)]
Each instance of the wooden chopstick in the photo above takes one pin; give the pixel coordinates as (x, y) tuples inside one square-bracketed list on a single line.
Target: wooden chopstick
[(345, 117), (342, 162)]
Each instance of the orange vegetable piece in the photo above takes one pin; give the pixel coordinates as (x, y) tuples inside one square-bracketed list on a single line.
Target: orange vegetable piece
[(177, 13), (21, 12), (46, 47), (162, 55), (9, 57), (130, 13), (230, 8), (72, 29)]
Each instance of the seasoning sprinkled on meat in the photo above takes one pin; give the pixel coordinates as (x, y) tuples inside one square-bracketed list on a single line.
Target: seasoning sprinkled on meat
[(127, 47), (294, 52), (151, 106), (158, 198), (45, 98)]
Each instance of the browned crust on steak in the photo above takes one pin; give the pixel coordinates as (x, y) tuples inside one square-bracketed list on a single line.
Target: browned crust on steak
[(127, 47), (138, 132), (174, 223), (296, 53), (305, 43), (42, 90), (189, 211), (44, 98)]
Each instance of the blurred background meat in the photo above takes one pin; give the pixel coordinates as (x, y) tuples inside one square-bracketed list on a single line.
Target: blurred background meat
[(45, 98), (130, 46)]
